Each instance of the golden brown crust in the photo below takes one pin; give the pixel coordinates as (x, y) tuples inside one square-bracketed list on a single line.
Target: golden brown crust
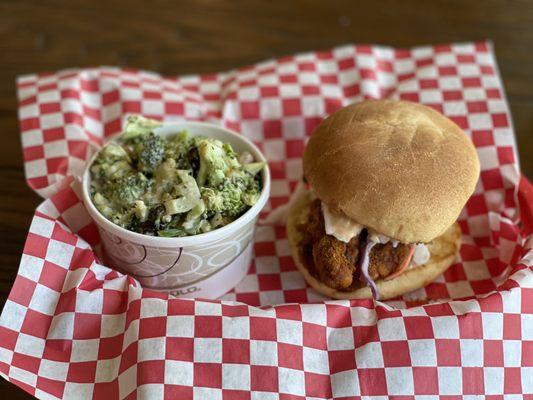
[(332, 264), (398, 167), (443, 251)]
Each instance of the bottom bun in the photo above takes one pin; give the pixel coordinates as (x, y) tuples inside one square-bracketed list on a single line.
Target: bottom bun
[(443, 251)]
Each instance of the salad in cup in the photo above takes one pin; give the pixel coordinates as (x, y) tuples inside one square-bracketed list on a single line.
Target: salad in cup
[(173, 186), (176, 204)]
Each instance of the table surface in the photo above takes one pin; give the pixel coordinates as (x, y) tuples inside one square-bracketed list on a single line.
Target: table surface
[(210, 36)]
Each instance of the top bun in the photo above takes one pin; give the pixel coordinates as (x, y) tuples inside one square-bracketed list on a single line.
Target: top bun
[(397, 167)]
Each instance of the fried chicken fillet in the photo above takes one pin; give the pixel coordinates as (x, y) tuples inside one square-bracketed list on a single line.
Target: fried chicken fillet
[(334, 262)]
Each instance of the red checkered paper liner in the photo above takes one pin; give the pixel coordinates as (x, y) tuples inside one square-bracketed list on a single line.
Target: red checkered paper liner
[(74, 328)]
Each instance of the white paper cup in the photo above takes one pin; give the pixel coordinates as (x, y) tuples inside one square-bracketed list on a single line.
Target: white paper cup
[(206, 265)]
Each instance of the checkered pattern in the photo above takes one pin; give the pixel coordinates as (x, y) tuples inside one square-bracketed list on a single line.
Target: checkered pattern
[(73, 328)]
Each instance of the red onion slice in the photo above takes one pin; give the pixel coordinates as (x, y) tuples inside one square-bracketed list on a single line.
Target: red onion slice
[(365, 261)]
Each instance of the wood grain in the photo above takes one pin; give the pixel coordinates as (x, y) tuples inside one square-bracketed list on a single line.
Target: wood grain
[(210, 35)]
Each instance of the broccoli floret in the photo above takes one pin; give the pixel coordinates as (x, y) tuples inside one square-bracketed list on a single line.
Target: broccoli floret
[(138, 126), (213, 200), (112, 162), (178, 147), (215, 162), (226, 201), (232, 200), (129, 189), (113, 152), (230, 197), (238, 192), (151, 152), (250, 198), (246, 177), (113, 170), (125, 219)]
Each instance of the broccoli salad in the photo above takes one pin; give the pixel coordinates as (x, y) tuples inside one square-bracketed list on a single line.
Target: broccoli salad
[(172, 186)]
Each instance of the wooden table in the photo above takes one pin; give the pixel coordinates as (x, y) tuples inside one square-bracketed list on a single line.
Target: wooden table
[(209, 36)]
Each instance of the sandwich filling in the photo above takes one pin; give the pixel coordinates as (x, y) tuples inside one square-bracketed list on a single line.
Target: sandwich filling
[(345, 255)]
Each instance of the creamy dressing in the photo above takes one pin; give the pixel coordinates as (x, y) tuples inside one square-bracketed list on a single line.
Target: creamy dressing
[(381, 239), (339, 226), (421, 254)]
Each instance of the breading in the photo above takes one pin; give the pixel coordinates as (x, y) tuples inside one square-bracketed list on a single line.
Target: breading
[(335, 262)]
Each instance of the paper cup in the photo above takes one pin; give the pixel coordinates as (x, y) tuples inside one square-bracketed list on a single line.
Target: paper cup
[(206, 265)]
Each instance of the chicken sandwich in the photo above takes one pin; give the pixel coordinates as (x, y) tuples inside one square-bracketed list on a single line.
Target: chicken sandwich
[(388, 181)]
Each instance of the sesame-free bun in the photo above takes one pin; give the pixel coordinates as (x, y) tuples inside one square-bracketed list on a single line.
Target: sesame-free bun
[(443, 251), (400, 168)]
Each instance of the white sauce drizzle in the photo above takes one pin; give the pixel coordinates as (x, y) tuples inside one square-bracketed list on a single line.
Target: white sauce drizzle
[(421, 254), (340, 226)]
